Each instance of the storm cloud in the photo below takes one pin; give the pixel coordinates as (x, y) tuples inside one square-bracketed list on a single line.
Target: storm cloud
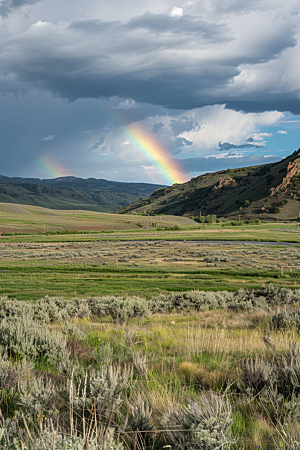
[(176, 62), (7, 6), (225, 146), (202, 78)]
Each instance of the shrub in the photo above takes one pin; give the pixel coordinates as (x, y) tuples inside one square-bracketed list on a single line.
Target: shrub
[(284, 318), (36, 398), (49, 438), (121, 309), (102, 388), (206, 424), (288, 371), (23, 337), (11, 373), (140, 414), (58, 309), (256, 375), (281, 374), (210, 218)]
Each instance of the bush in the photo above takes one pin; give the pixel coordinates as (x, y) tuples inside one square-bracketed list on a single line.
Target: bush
[(23, 337), (256, 375), (102, 389), (236, 223), (252, 222), (282, 373), (284, 318), (120, 309), (49, 438), (206, 424)]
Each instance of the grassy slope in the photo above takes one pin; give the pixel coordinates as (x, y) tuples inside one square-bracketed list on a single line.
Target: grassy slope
[(32, 219), (245, 191)]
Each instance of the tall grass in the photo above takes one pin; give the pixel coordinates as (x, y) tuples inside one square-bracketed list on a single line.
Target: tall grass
[(191, 371)]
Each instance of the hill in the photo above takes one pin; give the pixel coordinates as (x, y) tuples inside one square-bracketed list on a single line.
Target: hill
[(72, 193), (20, 219), (267, 191)]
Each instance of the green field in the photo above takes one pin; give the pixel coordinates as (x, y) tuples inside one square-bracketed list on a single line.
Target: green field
[(77, 253), (32, 283)]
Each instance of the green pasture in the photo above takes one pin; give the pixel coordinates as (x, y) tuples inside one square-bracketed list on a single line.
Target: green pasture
[(41, 272), (33, 281), (264, 232)]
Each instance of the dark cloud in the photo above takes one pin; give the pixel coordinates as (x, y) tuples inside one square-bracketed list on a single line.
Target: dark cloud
[(157, 127), (183, 125), (7, 6), (158, 25), (185, 25), (98, 143), (267, 102), (212, 163), (185, 142), (175, 144), (225, 146), (152, 58), (169, 133)]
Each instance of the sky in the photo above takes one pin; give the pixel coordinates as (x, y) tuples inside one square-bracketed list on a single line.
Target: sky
[(147, 91)]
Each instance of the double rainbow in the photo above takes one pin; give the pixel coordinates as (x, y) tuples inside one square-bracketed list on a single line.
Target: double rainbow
[(144, 145)]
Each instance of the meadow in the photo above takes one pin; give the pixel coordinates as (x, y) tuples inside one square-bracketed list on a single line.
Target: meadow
[(135, 332), (195, 370)]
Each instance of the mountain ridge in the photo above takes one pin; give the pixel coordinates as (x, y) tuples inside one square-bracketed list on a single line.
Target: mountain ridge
[(268, 191), (72, 192)]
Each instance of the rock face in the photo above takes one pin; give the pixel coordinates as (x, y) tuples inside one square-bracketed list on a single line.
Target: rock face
[(224, 182), (293, 169), (232, 193)]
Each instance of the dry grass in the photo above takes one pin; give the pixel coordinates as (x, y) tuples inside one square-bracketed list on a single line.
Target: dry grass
[(207, 379), (34, 219), (213, 332)]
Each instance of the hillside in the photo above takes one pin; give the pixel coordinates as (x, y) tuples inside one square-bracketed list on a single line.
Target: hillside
[(267, 191), (20, 219), (72, 193)]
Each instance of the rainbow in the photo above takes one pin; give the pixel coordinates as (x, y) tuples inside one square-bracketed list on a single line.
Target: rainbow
[(145, 146), (51, 167)]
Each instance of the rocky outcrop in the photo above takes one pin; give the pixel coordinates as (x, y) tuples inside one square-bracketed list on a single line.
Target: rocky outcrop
[(224, 182), (293, 169)]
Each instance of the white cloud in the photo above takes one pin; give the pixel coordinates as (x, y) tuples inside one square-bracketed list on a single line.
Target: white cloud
[(281, 132), (227, 155), (260, 136), (126, 104), (176, 12), (48, 138), (214, 124), (288, 121), (198, 132)]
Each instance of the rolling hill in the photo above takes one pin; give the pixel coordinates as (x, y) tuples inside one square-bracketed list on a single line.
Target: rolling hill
[(267, 191), (72, 193)]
